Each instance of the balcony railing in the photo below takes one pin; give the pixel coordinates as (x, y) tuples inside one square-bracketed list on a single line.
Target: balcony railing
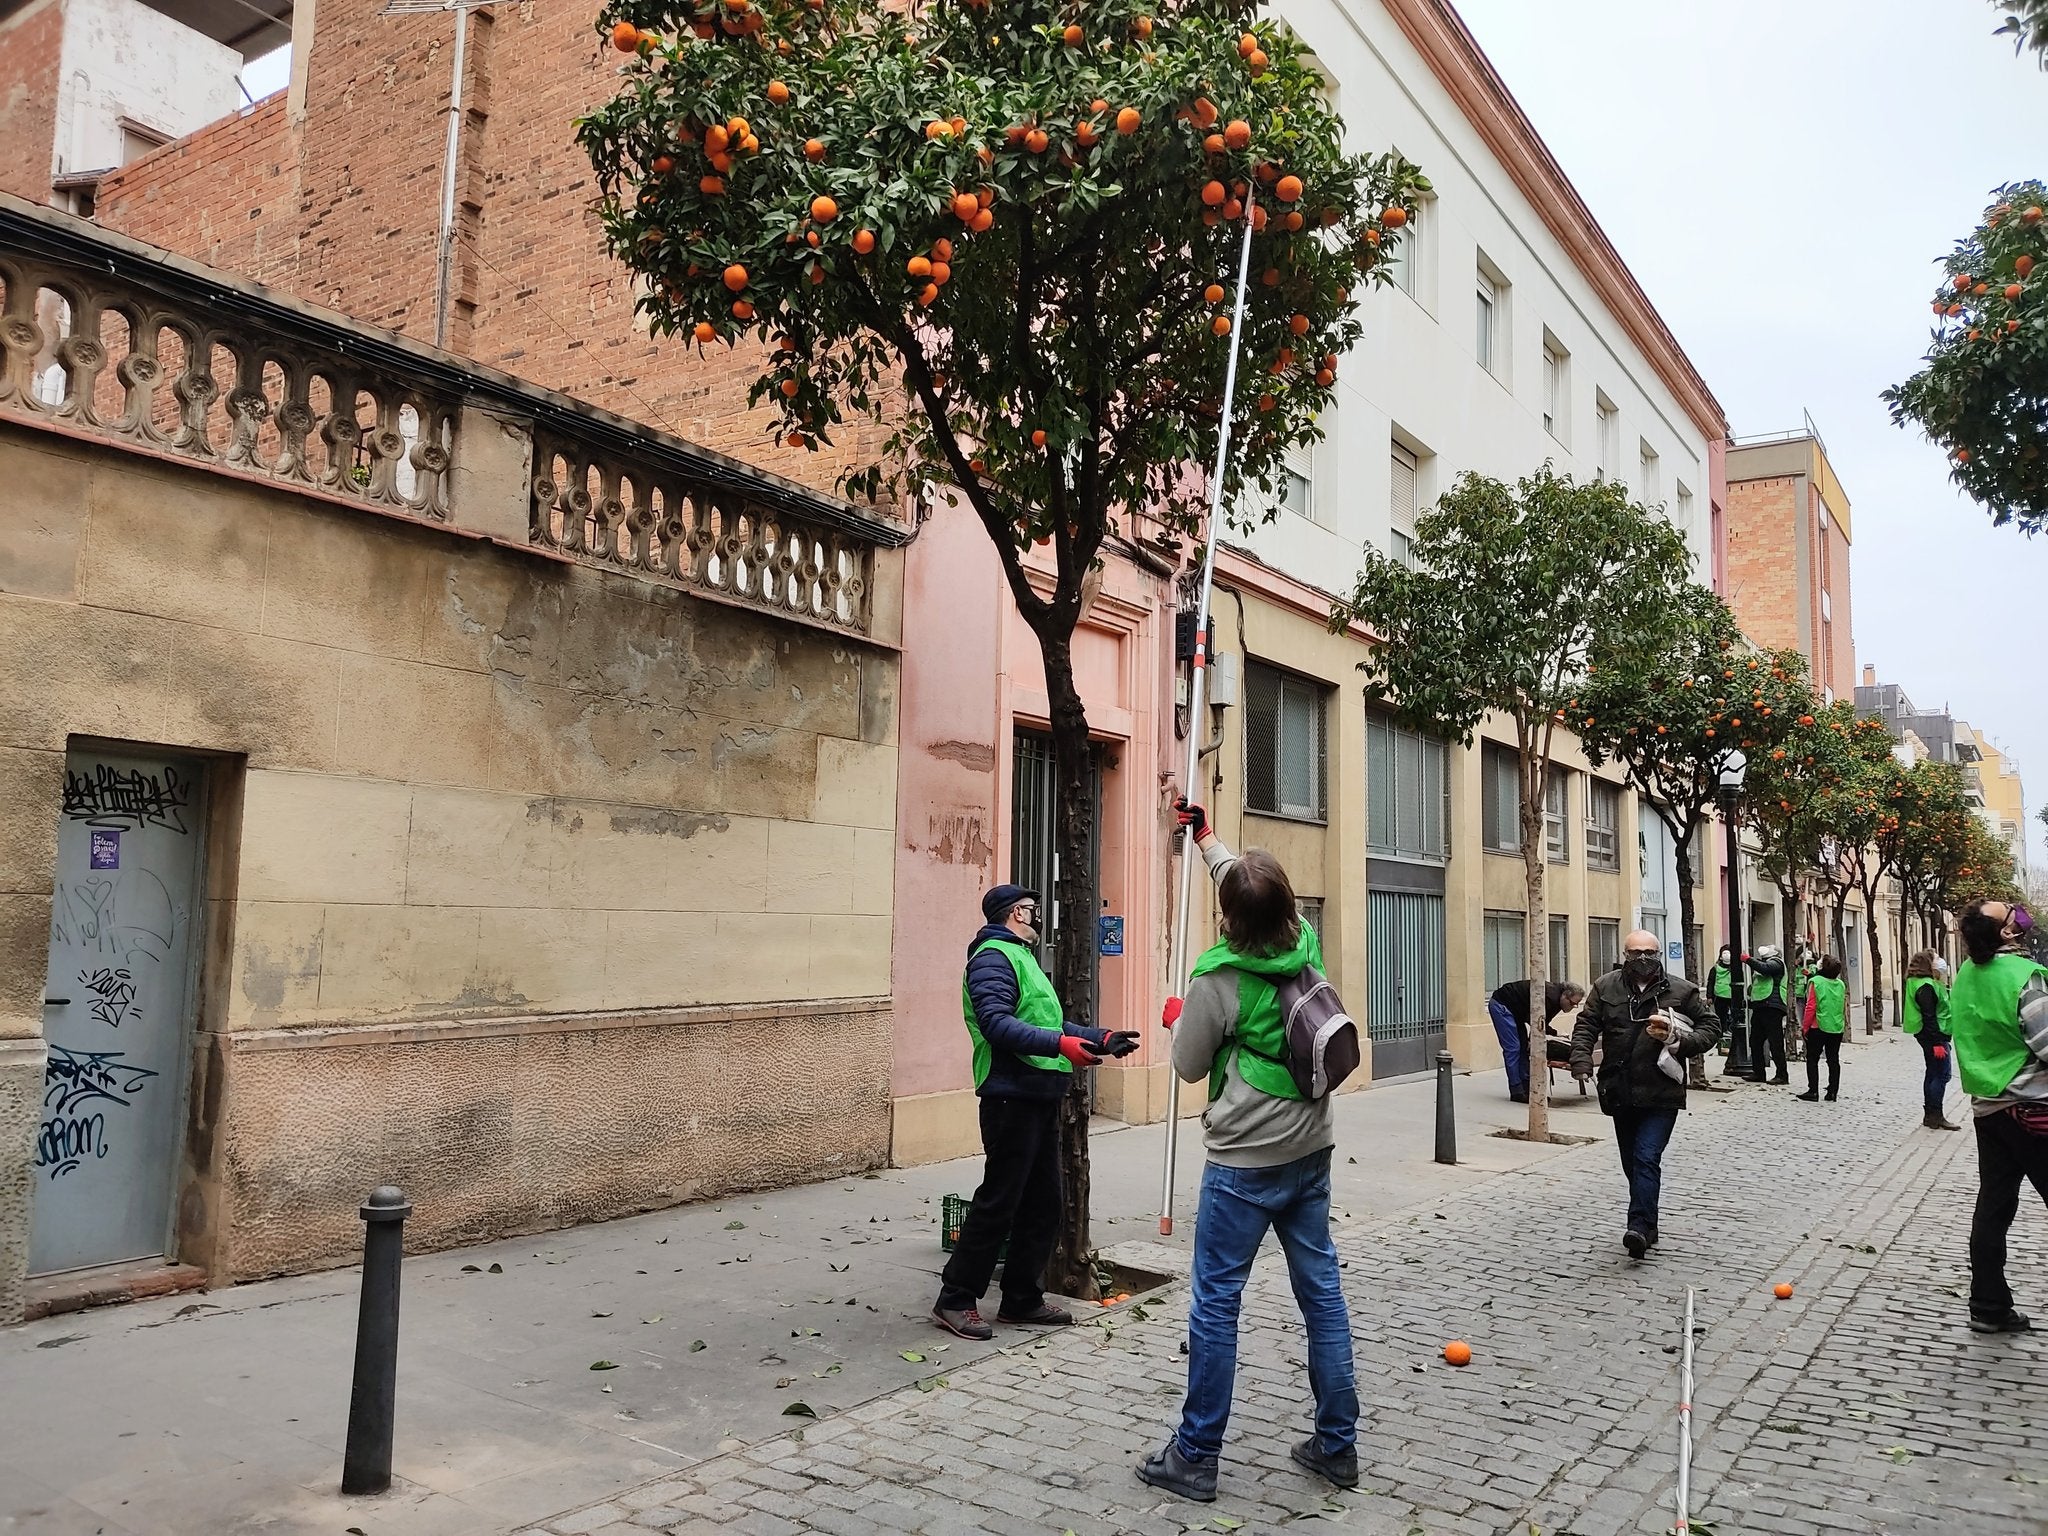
[(105, 338)]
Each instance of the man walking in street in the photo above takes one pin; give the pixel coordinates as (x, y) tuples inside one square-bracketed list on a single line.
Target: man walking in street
[(1025, 1053), (1509, 1010), (1769, 1002), (1648, 1024), (1998, 1017)]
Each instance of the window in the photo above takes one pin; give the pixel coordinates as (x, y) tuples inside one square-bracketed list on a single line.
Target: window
[(1403, 504), (1297, 480), (1489, 340), (1607, 447), (1560, 949), (1650, 474), (1557, 800), (1283, 730), (1500, 791), (1684, 515), (1504, 960), (1310, 909), (137, 141), (1407, 790), (1557, 364), (1603, 825), (1603, 946), (1409, 263)]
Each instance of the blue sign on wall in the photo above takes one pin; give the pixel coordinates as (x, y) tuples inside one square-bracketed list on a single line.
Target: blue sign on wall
[(1109, 935)]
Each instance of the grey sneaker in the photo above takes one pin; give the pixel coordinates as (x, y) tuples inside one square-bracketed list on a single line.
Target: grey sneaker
[(1168, 1469), (964, 1322), (2007, 1322), (1341, 1469), (1045, 1315)]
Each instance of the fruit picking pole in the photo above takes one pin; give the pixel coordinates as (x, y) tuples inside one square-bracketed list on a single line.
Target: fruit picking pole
[(1188, 852), (1684, 1524)]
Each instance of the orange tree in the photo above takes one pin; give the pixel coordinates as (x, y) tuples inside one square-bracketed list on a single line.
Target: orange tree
[(1669, 712), (1935, 845), (1011, 231), (1791, 799), (1983, 394)]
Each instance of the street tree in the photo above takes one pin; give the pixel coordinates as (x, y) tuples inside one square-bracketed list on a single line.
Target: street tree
[(1856, 813), (1935, 844), (1791, 806), (1670, 710), (1513, 597), (2026, 23), (1011, 234), (1983, 394)]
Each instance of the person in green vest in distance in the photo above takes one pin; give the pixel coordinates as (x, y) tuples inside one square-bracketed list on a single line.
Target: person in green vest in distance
[(1269, 1152), (1025, 1053), (1767, 1009), (1998, 1017), (1721, 992), (1825, 1021), (1926, 1019)]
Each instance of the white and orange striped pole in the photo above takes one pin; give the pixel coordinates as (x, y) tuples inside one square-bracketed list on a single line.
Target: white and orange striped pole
[(1196, 693)]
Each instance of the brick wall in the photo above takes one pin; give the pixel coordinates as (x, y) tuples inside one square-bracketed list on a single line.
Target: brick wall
[(1763, 566), (350, 206), (30, 42)]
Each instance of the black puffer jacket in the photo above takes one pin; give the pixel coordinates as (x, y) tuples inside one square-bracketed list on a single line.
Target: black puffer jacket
[(1614, 1018)]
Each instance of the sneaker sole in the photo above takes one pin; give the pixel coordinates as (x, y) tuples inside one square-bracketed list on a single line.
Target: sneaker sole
[(1034, 1322)]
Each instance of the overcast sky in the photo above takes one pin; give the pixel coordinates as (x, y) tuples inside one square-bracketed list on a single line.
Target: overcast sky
[(1781, 178)]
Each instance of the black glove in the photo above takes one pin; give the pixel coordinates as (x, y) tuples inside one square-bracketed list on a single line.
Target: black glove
[(1191, 816), (1119, 1042)]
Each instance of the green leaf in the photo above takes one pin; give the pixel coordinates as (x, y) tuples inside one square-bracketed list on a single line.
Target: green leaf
[(1226, 1523), (604, 1365), (697, 1346), (913, 1356), (735, 1226), (799, 1410)]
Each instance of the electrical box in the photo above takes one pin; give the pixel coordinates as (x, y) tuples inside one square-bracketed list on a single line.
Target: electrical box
[(1226, 672)]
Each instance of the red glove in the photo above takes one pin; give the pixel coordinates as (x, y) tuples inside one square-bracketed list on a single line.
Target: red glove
[(1191, 816), (1169, 1015), (1079, 1051), (1941, 1053)]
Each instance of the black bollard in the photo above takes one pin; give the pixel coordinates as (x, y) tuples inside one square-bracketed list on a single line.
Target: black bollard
[(373, 1400), (1446, 1113)]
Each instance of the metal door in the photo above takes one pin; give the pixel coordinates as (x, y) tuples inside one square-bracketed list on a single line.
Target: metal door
[(115, 1008), (1406, 1017), (1034, 853)]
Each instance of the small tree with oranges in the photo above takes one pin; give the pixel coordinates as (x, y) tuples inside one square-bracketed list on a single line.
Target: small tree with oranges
[(1010, 231), (1983, 395)]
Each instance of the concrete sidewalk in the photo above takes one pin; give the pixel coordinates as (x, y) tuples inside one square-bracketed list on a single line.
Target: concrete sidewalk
[(226, 1412)]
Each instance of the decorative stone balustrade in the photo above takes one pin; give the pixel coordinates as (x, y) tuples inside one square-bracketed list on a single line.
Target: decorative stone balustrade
[(110, 339)]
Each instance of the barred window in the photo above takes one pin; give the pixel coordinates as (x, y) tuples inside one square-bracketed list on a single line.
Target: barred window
[(1283, 730)]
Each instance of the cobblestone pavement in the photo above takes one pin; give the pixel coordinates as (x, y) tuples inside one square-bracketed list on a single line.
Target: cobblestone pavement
[(1862, 1404)]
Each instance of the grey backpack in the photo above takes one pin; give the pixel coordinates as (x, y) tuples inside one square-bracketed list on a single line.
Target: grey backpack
[(1322, 1039)]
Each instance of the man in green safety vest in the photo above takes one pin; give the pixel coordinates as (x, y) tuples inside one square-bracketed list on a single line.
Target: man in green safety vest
[(1998, 1018), (1768, 1004), (1025, 1053)]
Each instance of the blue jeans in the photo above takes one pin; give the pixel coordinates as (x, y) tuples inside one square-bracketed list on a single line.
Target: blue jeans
[(1238, 1205), (1642, 1135), (1514, 1048), (1935, 1089)]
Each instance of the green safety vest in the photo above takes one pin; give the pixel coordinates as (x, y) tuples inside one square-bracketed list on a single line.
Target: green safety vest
[(1718, 983), (1037, 1004), (1911, 1022), (1764, 989), (1984, 1019), (1830, 1005), (1260, 1042)]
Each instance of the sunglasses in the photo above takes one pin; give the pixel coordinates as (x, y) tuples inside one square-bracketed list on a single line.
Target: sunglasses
[(1642, 954)]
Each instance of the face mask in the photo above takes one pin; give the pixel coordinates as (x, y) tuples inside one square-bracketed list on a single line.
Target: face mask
[(1643, 968)]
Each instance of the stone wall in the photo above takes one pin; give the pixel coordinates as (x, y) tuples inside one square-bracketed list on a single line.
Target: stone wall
[(546, 892)]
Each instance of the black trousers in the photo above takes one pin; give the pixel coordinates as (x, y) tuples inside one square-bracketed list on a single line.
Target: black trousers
[(2007, 1152), (1019, 1199), (1767, 1042), (1820, 1043)]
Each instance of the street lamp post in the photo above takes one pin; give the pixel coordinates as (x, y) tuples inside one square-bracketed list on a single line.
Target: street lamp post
[(1733, 766)]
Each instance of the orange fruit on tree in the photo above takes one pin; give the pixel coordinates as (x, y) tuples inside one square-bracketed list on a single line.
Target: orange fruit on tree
[(1072, 35), (778, 92), (1220, 325), (983, 220), (1213, 144), (1298, 324), (1085, 134), (1257, 62), (735, 277), (1326, 377), (743, 310), (705, 330), (1129, 118), (1233, 210), (2013, 292), (721, 162), (1288, 189), (1213, 294), (1205, 113), (938, 128), (814, 150), (1038, 438), (918, 266), (931, 291), (942, 250), (2023, 265), (1142, 26), (716, 138), (823, 210), (1213, 194), (1394, 216), (1258, 218), (863, 241), (1457, 1352), (1037, 141), (977, 466), (625, 36), (1247, 46), (2031, 216), (738, 128), (1267, 402), (965, 206), (661, 165), (811, 239), (1098, 106), (789, 389), (942, 274), (1961, 282), (1293, 221), (1237, 133), (795, 439)]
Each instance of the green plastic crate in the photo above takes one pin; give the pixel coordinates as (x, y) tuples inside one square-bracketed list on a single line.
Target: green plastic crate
[(952, 1212)]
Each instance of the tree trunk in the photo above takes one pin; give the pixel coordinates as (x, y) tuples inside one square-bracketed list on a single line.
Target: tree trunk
[(1874, 934), (1535, 872), (1072, 1269)]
